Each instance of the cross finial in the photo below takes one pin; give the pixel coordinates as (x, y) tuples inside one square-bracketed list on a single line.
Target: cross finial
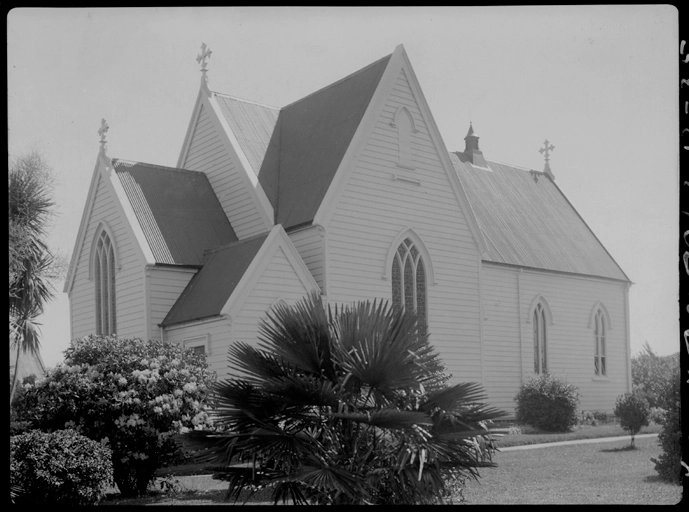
[(547, 148), (103, 130), (201, 58)]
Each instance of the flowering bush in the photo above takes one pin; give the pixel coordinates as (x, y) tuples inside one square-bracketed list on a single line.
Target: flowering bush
[(131, 395), (58, 468), (548, 403)]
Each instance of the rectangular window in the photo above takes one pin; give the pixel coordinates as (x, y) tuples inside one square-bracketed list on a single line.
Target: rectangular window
[(199, 344)]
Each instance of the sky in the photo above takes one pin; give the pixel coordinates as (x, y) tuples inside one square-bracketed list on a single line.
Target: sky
[(600, 83)]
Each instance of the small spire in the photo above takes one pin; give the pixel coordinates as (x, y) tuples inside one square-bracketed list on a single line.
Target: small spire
[(201, 58), (102, 131), (471, 140), (547, 148), (471, 132)]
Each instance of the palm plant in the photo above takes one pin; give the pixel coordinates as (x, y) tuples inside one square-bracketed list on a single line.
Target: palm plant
[(31, 263), (349, 406)]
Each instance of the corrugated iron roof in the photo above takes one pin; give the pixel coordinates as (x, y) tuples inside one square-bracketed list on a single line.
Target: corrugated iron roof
[(212, 286), (252, 125), (176, 209), (526, 220)]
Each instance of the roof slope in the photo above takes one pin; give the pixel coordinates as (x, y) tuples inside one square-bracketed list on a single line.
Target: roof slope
[(176, 209), (252, 125), (526, 220), (310, 138), (211, 287)]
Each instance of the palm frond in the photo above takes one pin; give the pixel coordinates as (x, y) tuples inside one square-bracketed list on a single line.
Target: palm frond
[(387, 418)]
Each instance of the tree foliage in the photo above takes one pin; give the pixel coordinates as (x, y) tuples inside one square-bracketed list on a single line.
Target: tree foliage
[(633, 411), (31, 263), (651, 373), (130, 394), (347, 406), (669, 464)]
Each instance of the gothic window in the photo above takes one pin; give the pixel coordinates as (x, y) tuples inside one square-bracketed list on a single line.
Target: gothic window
[(409, 281), (539, 339), (104, 275), (599, 344)]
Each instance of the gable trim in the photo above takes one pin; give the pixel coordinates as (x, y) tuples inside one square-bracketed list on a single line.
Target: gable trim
[(249, 177), (191, 128), (276, 241)]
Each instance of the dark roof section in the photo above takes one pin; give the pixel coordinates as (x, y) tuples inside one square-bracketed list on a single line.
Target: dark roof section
[(176, 209), (526, 220), (309, 141), (212, 286)]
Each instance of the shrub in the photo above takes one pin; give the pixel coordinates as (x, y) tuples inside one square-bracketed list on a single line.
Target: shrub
[(133, 395), (657, 415), (548, 403), (59, 468), (349, 407), (633, 411), (669, 464)]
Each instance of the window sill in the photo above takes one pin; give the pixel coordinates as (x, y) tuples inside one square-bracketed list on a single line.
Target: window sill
[(600, 379)]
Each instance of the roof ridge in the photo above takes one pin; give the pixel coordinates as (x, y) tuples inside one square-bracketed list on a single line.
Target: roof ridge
[(244, 100), (351, 75), (236, 242), (518, 167), (115, 161)]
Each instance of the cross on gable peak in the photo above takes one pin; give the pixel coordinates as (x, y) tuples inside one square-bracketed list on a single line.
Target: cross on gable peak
[(201, 58)]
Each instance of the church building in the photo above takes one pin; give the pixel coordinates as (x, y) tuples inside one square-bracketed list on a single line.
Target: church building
[(351, 192)]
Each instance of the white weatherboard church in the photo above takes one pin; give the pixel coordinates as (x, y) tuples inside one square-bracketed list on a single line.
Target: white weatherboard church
[(352, 193)]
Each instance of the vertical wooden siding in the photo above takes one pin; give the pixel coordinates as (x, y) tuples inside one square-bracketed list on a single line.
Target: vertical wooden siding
[(375, 208), (208, 154), (128, 280), (570, 340)]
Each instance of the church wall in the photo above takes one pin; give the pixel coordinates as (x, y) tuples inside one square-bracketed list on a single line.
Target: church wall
[(208, 154), (570, 340), (128, 280), (375, 207), (310, 246), (278, 282), (165, 285)]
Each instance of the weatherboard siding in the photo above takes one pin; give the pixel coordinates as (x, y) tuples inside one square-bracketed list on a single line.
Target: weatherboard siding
[(207, 153), (310, 246), (129, 279), (165, 285), (278, 282), (570, 340), (374, 208)]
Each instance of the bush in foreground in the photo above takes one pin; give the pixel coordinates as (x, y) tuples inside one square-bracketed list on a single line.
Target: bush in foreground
[(633, 411), (345, 407), (131, 394), (58, 468), (669, 464), (548, 403)]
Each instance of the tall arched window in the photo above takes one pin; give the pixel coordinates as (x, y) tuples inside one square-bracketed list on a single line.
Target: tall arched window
[(409, 281), (540, 339), (404, 122), (599, 341), (104, 276)]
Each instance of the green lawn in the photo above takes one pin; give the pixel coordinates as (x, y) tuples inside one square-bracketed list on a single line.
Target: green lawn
[(596, 473)]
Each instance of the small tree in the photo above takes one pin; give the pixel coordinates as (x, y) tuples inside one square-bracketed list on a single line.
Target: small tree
[(669, 464), (633, 411), (345, 407), (651, 372), (130, 394)]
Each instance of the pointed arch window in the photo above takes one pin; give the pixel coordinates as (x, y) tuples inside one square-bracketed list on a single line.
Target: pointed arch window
[(104, 276), (409, 281), (540, 337), (599, 331)]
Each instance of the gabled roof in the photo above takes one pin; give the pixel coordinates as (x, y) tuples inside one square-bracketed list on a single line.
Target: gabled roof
[(176, 209), (527, 221), (252, 125), (211, 287), (297, 152)]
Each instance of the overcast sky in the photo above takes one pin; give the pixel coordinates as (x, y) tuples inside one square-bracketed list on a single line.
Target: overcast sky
[(599, 82)]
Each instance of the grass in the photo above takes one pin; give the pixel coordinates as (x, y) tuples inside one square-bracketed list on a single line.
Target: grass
[(597, 473), (506, 482)]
